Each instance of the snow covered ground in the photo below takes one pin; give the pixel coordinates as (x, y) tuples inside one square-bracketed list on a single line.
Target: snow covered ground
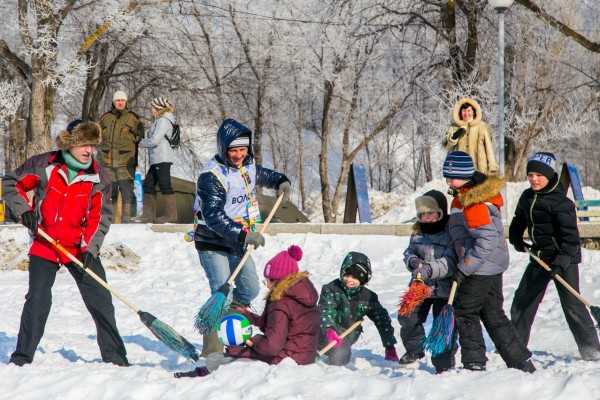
[(160, 273)]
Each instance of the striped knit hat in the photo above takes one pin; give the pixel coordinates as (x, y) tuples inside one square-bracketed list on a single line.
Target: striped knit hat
[(160, 102), (458, 165)]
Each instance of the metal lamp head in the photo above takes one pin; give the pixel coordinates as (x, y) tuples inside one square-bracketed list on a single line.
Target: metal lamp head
[(500, 5)]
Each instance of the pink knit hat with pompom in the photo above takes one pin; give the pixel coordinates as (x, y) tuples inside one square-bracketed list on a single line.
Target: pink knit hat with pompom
[(283, 264)]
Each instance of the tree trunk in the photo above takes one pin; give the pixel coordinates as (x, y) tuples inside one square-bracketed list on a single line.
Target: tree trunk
[(41, 107), (323, 169)]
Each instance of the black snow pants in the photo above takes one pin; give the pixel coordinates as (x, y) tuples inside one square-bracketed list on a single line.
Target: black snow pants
[(38, 300), (479, 300), (530, 294), (412, 332)]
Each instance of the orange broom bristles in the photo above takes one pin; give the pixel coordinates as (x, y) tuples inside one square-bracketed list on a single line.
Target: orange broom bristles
[(416, 293)]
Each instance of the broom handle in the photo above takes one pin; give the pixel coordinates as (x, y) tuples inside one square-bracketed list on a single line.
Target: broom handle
[(251, 247), (452, 292), (343, 335), (87, 270), (560, 279)]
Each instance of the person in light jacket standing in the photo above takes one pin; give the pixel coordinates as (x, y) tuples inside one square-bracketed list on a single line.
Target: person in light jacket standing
[(161, 156)]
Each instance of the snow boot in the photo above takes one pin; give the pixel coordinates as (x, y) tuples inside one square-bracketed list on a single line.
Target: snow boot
[(526, 366), (408, 358), (195, 373), (474, 366), (170, 210), (149, 209), (211, 344)]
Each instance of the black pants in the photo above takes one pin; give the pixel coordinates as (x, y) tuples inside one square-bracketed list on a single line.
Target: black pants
[(412, 332), (530, 294), (479, 300), (38, 301), (158, 174), (128, 199)]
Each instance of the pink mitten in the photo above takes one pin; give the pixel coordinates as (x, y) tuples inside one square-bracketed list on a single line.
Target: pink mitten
[(332, 336)]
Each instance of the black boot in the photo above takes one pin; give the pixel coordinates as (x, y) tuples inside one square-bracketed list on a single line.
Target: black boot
[(526, 366), (408, 358), (196, 373)]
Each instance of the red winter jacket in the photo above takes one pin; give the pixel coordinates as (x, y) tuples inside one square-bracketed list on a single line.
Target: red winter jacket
[(77, 215), (290, 324)]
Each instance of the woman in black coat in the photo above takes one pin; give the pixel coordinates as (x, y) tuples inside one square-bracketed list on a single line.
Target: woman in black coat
[(551, 222)]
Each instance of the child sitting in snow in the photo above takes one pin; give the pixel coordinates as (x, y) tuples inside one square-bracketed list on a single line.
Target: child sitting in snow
[(289, 322), (430, 253), (346, 300)]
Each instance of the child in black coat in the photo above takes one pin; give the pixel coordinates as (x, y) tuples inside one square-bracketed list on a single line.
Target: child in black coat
[(551, 222)]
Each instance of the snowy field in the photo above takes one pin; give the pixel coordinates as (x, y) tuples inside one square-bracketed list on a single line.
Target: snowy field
[(167, 281)]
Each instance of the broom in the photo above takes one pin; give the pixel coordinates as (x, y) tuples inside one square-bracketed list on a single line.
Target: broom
[(440, 338), (595, 310), (162, 331), (211, 312), (414, 295), (343, 335)]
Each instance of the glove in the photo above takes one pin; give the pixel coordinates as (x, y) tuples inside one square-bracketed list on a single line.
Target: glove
[(284, 188), (556, 270), (424, 270), (459, 278), (391, 355), (29, 219), (254, 238), (87, 259), (414, 263), (458, 133), (253, 318), (521, 247), (332, 336)]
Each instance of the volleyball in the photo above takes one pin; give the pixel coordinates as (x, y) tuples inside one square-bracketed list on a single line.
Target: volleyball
[(234, 330)]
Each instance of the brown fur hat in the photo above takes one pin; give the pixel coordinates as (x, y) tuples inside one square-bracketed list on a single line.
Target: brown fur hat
[(79, 133)]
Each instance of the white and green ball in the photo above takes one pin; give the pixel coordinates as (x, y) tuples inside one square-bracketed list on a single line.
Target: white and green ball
[(234, 330)]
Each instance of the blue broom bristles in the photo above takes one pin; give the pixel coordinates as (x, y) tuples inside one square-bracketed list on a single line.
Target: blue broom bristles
[(439, 339), (596, 314), (174, 340), (210, 313)]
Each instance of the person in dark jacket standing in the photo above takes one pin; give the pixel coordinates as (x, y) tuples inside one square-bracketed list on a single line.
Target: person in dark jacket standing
[(429, 256), (227, 212), (289, 322), (72, 205), (122, 131), (478, 234), (346, 300), (551, 222)]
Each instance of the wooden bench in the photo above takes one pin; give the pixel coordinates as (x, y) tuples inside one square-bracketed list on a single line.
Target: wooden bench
[(587, 208)]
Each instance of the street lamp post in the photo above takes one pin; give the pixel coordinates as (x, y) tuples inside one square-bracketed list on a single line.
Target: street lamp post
[(501, 6)]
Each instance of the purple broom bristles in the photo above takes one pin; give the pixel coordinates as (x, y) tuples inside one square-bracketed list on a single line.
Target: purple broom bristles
[(439, 339)]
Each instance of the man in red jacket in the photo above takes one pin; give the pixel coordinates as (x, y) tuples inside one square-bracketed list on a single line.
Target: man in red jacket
[(72, 204)]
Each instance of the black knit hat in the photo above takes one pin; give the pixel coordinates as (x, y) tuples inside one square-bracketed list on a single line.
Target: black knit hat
[(358, 265), (542, 163)]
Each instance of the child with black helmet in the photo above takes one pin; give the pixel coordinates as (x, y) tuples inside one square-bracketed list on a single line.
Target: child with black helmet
[(346, 300), (430, 256)]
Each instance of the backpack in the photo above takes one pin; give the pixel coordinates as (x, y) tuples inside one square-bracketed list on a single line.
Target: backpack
[(175, 136)]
